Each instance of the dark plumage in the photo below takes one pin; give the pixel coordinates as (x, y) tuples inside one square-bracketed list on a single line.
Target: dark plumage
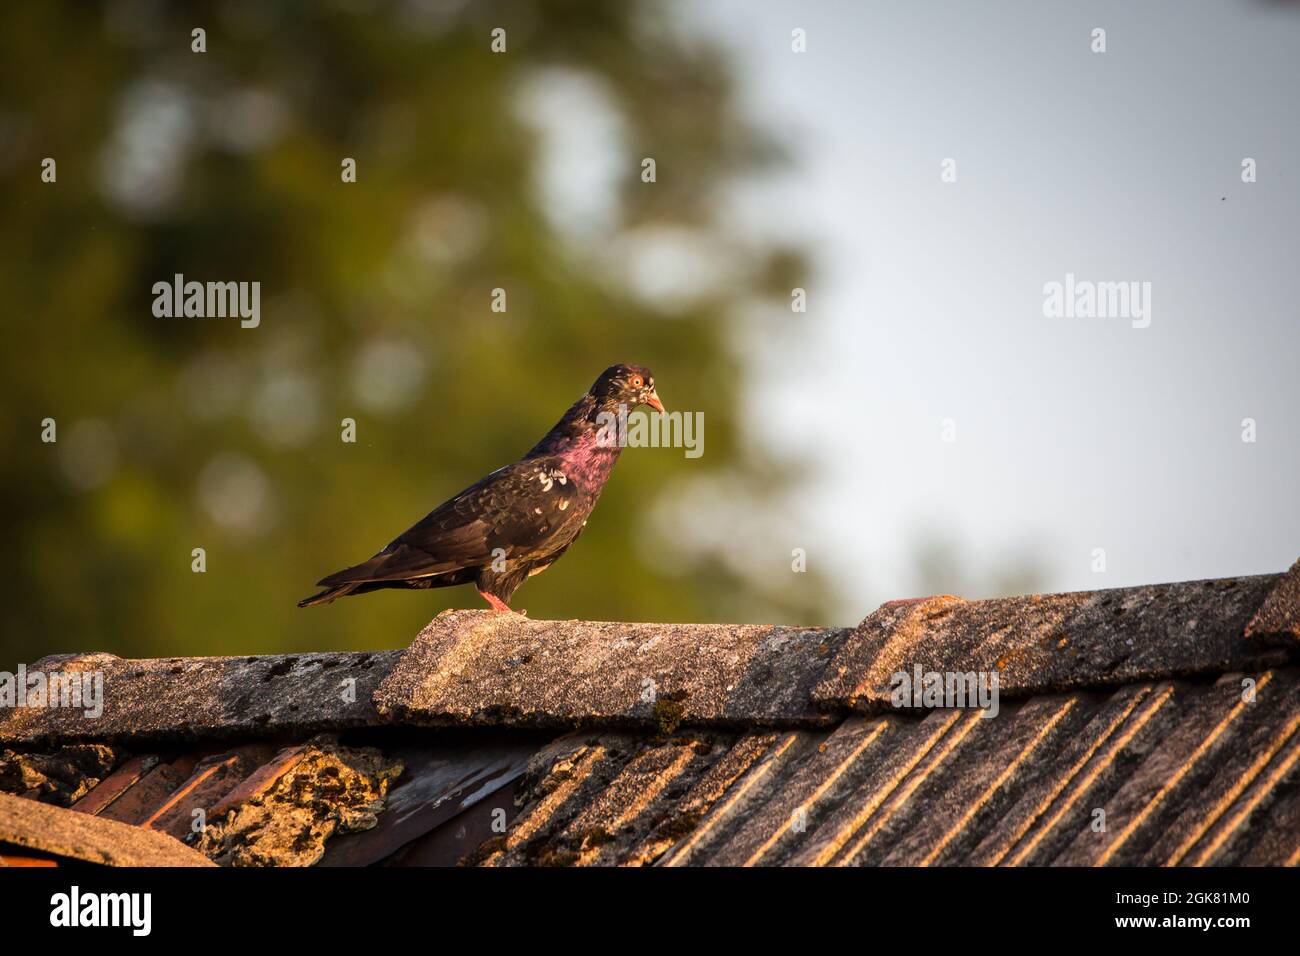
[(519, 519)]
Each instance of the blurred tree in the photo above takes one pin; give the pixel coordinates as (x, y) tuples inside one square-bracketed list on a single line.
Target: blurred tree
[(519, 170)]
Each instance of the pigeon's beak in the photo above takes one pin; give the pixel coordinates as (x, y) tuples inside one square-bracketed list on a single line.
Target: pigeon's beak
[(653, 401)]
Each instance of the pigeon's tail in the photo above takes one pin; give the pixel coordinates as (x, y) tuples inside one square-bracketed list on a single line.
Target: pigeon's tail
[(329, 594)]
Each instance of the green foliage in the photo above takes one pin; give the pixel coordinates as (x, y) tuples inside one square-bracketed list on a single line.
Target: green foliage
[(188, 417)]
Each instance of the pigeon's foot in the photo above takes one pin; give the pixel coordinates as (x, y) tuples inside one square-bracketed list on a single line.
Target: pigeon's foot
[(499, 605)]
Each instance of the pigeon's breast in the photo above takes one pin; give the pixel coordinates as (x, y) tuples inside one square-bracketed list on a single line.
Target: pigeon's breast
[(590, 472), (587, 461)]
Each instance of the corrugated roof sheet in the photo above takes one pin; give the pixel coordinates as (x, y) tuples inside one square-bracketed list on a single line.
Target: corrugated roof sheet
[(1137, 726), (1164, 773), (30, 825), (478, 667), (1050, 642), (188, 698)]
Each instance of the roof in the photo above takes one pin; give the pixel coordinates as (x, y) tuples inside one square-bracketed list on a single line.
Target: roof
[(1146, 725), (51, 832)]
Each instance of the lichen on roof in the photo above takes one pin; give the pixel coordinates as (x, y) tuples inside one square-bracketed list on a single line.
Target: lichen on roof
[(330, 789)]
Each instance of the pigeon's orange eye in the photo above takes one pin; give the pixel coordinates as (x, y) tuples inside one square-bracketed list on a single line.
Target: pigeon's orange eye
[(636, 381)]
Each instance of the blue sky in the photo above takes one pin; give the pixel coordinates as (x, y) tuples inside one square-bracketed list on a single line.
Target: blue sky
[(927, 299)]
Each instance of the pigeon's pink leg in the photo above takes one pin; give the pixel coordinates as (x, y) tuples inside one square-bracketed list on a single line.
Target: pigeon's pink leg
[(498, 604)]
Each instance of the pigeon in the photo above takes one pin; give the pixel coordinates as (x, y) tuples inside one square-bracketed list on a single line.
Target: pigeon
[(518, 520)]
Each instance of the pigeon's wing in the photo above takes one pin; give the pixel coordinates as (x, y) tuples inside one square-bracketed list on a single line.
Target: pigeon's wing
[(504, 510)]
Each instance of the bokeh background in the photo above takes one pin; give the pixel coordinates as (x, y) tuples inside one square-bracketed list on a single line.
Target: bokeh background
[(521, 170)]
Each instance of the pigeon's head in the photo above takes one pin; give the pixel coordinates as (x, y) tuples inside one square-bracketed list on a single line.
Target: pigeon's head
[(630, 385)]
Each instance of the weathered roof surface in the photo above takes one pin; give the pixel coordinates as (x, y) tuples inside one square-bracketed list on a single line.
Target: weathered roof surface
[(1154, 725), (187, 698), (1181, 772), (38, 826), (1278, 619), (1051, 642), (440, 784), (479, 667)]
